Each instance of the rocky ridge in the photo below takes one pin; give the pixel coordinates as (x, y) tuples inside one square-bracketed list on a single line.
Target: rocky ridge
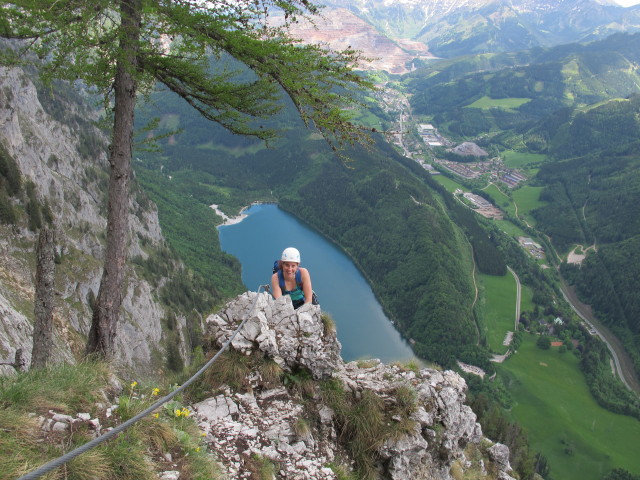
[(305, 432)]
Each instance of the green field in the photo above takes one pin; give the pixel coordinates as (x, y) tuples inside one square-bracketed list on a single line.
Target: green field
[(581, 440), (499, 308), (526, 299), (447, 183), (527, 198), (519, 160), (486, 103), (510, 229), (500, 200)]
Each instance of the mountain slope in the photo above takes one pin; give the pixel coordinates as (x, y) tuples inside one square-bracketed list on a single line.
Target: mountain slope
[(452, 28)]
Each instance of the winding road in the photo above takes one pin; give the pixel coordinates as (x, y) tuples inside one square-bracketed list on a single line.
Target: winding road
[(622, 363)]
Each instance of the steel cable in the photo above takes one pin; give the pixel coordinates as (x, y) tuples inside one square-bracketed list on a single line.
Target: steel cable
[(47, 467)]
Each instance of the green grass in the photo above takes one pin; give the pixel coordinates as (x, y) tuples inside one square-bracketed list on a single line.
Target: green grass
[(527, 198), (72, 389), (519, 159), (526, 299), (486, 103), (499, 308), (581, 440), (447, 183), (501, 200), (511, 229)]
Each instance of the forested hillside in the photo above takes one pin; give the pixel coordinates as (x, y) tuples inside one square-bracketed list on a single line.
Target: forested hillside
[(577, 105), (541, 82), (598, 194)]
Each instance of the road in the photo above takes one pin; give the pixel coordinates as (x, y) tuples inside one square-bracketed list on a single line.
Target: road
[(622, 363)]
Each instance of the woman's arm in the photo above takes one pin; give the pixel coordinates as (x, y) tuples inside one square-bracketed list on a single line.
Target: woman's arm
[(275, 286), (307, 289)]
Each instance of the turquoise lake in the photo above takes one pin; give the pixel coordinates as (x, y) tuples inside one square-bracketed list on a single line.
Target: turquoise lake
[(363, 329)]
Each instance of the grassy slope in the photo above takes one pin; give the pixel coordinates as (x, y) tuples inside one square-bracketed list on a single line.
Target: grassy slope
[(554, 404), (499, 308)]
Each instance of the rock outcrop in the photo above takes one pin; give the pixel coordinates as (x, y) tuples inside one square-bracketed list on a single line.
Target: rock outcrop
[(424, 429)]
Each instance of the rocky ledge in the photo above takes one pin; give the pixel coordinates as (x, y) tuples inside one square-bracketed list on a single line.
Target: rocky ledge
[(382, 421)]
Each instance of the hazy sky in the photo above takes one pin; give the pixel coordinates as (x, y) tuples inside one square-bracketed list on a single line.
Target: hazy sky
[(627, 3)]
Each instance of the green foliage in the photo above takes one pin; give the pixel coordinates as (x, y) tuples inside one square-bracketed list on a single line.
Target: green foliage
[(377, 207), (10, 177), (261, 468), (365, 423), (380, 204), (175, 363), (609, 391), (33, 208), (190, 230), (299, 381), (182, 290), (621, 474), (7, 212), (10, 186), (544, 342)]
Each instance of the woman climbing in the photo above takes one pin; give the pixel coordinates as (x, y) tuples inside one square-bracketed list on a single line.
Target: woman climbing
[(290, 279)]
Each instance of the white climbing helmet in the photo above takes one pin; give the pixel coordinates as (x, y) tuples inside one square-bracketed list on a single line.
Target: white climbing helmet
[(290, 255)]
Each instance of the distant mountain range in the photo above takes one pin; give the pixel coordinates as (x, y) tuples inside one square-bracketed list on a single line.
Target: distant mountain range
[(397, 33)]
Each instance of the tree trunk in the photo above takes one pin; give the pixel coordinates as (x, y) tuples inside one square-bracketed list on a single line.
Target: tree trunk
[(45, 277), (107, 306)]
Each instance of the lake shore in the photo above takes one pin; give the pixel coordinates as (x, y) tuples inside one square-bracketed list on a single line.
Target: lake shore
[(227, 220)]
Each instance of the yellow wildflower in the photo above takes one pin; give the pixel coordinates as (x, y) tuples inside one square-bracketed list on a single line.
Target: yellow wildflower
[(197, 449), (185, 412), (156, 415), (155, 392), (177, 412), (133, 384)]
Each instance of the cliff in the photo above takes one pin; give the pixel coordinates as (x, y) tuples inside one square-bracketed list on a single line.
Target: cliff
[(384, 421), (62, 154)]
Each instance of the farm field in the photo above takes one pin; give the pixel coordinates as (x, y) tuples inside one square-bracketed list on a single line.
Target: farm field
[(503, 103), (447, 183), (527, 199), (499, 308), (510, 228), (581, 440), (500, 200), (520, 160)]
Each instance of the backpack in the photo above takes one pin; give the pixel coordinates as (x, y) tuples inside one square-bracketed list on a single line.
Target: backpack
[(276, 269)]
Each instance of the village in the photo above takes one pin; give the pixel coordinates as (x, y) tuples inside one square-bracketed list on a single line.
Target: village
[(417, 141)]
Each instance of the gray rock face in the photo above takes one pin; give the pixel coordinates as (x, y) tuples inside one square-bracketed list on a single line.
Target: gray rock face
[(291, 337), (47, 154), (303, 436)]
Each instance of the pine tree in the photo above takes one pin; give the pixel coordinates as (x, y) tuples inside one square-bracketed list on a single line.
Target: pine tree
[(122, 48)]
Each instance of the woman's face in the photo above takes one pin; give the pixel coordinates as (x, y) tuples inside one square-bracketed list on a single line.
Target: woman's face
[(289, 268)]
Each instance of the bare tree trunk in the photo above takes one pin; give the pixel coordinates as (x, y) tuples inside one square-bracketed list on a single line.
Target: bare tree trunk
[(45, 277), (107, 306)]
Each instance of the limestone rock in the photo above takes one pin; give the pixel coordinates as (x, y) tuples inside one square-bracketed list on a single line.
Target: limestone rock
[(291, 337), (302, 436)]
